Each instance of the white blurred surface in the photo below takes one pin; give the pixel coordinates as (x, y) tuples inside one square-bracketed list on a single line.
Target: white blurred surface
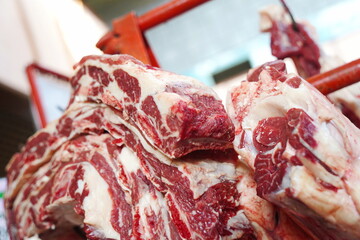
[(54, 94), (55, 34)]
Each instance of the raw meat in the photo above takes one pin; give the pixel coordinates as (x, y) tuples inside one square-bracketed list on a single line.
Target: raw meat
[(309, 60), (305, 154), (114, 166), (286, 41), (177, 114)]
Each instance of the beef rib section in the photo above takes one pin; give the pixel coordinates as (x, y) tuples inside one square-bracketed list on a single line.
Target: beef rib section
[(305, 154), (177, 114)]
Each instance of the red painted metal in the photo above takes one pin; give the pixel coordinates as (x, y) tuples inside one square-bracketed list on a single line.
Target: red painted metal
[(166, 12), (126, 37), (30, 72), (337, 78)]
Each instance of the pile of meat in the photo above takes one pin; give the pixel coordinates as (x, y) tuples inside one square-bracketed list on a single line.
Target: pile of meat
[(141, 153)]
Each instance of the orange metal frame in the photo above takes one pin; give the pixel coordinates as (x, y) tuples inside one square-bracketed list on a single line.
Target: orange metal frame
[(337, 78)]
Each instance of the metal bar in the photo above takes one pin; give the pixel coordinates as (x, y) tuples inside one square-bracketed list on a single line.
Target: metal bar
[(165, 12), (30, 71), (294, 24), (35, 95), (337, 78)]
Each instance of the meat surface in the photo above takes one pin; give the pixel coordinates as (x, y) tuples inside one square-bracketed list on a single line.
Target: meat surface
[(177, 114), (304, 153), (124, 162)]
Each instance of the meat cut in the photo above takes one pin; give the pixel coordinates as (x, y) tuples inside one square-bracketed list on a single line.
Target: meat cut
[(304, 153), (139, 153), (177, 114)]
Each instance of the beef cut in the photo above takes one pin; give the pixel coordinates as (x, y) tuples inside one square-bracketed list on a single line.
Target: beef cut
[(139, 153), (176, 114), (304, 153)]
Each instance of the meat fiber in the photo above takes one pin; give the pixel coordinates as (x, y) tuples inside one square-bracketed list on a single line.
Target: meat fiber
[(139, 154), (305, 154)]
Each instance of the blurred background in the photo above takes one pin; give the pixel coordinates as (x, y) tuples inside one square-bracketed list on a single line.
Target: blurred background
[(215, 42)]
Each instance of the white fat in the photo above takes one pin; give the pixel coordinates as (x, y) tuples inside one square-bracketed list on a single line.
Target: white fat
[(286, 181), (269, 105), (115, 90), (255, 208), (160, 207), (98, 204), (80, 188), (129, 160), (336, 156), (249, 152), (63, 210), (80, 98), (204, 174), (146, 205), (166, 181), (239, 220), (164, 101), (337, 208), (149, 84), (146, 201), (35, 237)]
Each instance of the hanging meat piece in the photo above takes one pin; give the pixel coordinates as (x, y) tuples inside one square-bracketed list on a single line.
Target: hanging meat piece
[(298, 43), (305, 154), (289, 40)]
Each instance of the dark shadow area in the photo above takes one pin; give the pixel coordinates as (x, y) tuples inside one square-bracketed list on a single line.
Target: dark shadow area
[(16, 124), (232, 71)]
